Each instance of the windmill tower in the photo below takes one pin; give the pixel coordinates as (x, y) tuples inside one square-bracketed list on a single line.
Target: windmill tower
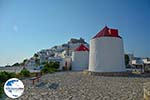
[(106, 52)]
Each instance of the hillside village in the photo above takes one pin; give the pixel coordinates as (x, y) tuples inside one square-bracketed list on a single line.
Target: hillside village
[(56, 53)]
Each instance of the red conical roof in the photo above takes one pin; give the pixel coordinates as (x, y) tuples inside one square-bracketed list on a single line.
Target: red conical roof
[(82, 48), (107, 32)]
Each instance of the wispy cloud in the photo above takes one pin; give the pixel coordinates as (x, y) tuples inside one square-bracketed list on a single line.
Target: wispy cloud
[(15, 28)]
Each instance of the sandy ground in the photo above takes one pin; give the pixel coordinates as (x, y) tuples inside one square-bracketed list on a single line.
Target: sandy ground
[(78, 86)]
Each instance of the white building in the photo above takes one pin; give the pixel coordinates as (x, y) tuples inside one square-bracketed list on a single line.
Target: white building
[(146, 60), (80, 58), (141, 61), (107, 52), (137, 61)]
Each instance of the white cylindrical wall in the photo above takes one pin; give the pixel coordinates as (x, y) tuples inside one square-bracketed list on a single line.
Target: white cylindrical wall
[(106, 55), (80, 60)]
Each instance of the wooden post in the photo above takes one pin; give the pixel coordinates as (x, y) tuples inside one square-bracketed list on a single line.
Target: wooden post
[(33, 82)]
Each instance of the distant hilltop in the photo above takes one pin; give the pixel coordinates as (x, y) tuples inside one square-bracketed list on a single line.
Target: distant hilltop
[(73, 41)]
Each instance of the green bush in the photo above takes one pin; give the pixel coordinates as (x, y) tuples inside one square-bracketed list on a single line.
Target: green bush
[(54, 65), (1, 90), (4, 76), (48, 70), (25, 73), (50, 67)]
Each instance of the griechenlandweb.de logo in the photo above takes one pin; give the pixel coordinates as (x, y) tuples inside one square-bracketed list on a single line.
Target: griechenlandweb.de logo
[(14, 88)]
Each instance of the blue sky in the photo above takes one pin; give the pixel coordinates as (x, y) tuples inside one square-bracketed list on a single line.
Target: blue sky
[(27, 26)]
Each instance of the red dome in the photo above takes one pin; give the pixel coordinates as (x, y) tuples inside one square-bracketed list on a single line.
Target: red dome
[(107, 32), (82, 48)]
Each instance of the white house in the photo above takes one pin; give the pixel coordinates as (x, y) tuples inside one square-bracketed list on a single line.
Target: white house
[(146, 60), (80, 58), (141, 61)]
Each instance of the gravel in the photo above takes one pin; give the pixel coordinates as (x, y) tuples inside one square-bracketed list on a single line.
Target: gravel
[(79, 86)]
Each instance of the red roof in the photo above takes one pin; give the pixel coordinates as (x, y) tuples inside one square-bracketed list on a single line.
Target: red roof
[(107, 32), (82, 48)]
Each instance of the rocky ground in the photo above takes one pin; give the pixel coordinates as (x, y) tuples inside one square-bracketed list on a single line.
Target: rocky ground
[(78, 86)]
